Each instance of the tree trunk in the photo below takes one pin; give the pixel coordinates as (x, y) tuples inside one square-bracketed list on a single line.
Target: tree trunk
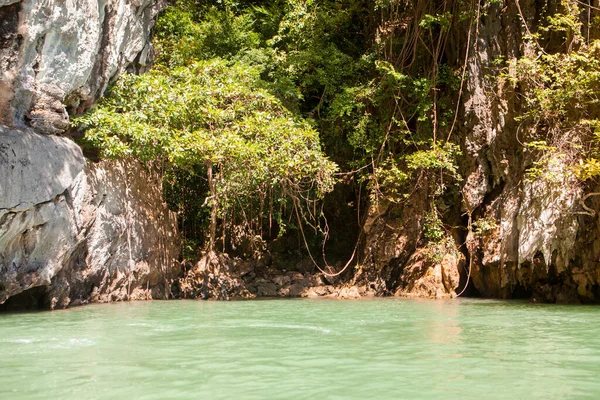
[(213, 212)]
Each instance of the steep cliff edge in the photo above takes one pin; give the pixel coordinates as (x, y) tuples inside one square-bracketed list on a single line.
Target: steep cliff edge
[(538, 244), (59, 57), (72, 231), (84, 232), (521, 236)]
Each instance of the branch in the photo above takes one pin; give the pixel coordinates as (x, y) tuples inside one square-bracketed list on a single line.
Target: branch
[(588, 211)]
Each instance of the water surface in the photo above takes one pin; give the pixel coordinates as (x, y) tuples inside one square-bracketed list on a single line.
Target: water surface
[(302, 349)]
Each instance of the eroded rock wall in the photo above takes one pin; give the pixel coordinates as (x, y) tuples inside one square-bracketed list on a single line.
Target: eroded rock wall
[(83, 232), (529, 245), (395, 259), (72, 231), (59, 56), (528, 237)]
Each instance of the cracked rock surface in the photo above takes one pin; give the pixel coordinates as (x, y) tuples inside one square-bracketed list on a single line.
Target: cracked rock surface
[(81, 231), (58, 57), (72, 231)]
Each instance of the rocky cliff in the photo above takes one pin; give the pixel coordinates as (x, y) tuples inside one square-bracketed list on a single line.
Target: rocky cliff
[(535, 245), (58, 57), (512, 237), (83, 232), (72, 231)]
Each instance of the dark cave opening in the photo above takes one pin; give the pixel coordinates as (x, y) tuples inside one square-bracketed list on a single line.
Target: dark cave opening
[(28, 300)]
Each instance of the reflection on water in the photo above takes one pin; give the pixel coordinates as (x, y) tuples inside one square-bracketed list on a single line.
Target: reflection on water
[(442, 326), (384, 348)]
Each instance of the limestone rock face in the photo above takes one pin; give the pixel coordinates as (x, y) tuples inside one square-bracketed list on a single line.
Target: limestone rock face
[(431, 278), (59, 56), (56, 163), (82, 232), (529, 245), (529, 237), (396, 262)]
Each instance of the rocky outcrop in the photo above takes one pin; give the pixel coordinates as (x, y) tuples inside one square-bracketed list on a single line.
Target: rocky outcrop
[(528, 246), (57, 57), (397, 261), (220, 277), (520, 236), (81, 232), (72, 231)]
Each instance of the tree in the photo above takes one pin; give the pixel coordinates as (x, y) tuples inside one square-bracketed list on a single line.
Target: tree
[(215, 116)]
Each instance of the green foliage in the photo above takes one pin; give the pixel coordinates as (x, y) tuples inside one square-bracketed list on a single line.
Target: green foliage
[(441, 157), (434, 251), (548, 164), (186, 33), (484, 225), (257, 91), (433, 229), (442, 21), (588, 169), (213, 113), (390, 180), (560, 87)]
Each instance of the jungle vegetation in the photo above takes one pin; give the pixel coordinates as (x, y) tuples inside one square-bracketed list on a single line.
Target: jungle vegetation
[(267, 116)]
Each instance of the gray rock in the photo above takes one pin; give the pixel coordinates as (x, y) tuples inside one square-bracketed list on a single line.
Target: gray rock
[(267, 289), (281, 280), (93, 232), (296, 289), (35, 169), (58, 55), (305, 266)]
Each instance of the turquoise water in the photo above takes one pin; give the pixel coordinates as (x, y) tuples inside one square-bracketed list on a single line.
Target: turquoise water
[(302, 349)]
